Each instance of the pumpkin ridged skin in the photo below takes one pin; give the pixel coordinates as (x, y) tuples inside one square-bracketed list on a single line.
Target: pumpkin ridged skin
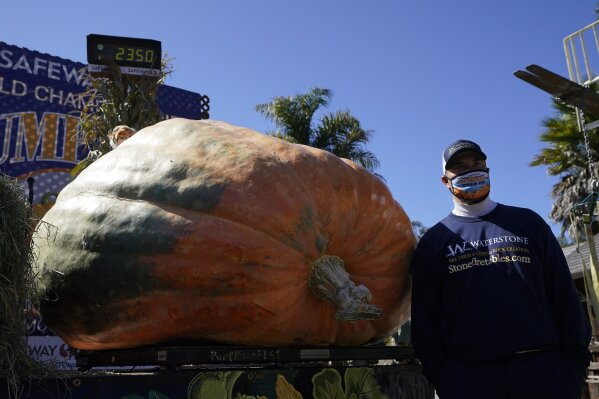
[(204, 230)]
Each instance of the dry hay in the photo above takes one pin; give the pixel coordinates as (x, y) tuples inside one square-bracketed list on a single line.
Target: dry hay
[(17, 291)]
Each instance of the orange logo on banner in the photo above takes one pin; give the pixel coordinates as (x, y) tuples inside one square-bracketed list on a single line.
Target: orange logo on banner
[(31, 136)]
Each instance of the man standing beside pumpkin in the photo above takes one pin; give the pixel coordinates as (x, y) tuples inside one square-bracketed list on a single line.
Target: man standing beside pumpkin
[(494, 311)]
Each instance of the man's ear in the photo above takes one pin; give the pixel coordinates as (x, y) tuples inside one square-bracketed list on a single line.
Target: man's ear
[(446, 182)]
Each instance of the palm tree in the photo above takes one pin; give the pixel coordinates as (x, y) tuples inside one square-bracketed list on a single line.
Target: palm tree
[(567, 158), (339, 133)]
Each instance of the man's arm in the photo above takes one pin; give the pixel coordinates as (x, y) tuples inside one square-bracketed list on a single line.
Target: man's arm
[(571, 321), (426, 299)]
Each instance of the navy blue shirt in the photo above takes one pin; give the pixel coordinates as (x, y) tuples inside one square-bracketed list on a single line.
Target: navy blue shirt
[(485, 288)]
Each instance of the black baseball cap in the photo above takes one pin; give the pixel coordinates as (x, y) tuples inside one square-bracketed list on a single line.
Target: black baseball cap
[(458, 147)]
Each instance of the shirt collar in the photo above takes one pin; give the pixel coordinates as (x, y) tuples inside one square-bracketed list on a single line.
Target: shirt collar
[(474, 210)]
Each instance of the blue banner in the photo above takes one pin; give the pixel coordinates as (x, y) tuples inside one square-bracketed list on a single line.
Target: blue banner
[(38, 128)]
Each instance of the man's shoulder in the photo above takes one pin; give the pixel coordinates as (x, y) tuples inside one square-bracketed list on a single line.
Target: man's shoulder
[(437, 230), (511, 210)]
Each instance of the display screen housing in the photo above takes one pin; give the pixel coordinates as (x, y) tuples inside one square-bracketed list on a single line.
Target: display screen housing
[(124, 51)]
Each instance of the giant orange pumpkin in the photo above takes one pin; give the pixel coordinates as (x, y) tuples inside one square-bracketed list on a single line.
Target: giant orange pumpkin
[(203, 230)]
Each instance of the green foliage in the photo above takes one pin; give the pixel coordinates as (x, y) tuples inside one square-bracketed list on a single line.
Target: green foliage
[(566, 157), (418, 228), (566, 149), (340, 133), (117, 99)]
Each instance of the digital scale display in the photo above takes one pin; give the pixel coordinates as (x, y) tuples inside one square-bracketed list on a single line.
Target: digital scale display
[(134, 56)]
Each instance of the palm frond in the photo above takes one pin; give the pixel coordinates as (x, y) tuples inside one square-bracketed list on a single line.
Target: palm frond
[(345, 137), (339, 133), (566, 156), (294, 115)]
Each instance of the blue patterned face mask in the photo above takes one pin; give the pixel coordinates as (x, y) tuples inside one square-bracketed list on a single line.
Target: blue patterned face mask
[(471, 187)]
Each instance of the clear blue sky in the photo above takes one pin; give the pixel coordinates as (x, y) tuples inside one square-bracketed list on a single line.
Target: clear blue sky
[(419, 73)]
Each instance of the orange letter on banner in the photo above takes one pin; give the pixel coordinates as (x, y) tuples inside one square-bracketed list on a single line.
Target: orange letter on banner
[(5, 142), (50, 125), (27, 134), (30, 134), (70, 139)]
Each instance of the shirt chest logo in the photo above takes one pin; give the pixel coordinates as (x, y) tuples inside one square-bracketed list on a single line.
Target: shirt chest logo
[(502, 249), (465, 246)]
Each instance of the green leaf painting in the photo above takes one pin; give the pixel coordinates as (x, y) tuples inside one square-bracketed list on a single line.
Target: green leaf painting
[(359, 384), (213, 385), (327, 385)]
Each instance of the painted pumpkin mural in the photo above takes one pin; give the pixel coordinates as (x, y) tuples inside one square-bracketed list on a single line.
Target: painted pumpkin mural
[(207, 231)]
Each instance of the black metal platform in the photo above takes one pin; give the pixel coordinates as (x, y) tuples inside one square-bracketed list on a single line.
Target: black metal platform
[(176, 356)]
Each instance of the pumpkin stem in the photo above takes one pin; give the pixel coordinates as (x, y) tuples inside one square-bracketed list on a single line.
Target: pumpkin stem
[(329, 280)]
